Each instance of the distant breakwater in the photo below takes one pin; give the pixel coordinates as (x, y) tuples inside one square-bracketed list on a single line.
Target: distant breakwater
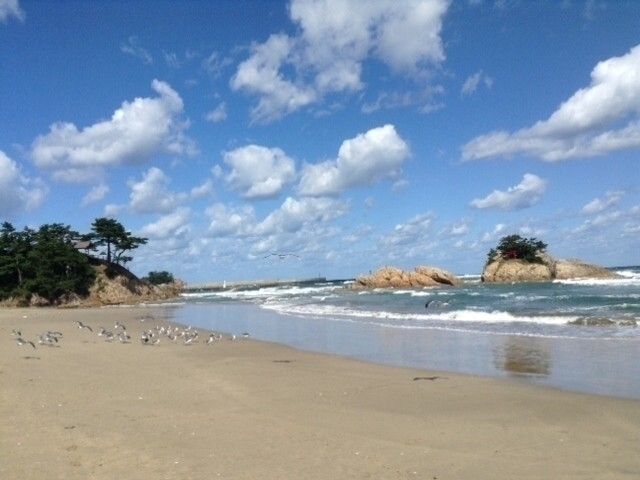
[(248, 284)]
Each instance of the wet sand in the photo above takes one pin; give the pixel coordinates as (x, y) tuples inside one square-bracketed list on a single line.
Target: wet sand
[(243, 409)]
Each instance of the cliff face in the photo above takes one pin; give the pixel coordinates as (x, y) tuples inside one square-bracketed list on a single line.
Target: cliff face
[(126, 288), (120, 286), (508, 271), (391, 277)]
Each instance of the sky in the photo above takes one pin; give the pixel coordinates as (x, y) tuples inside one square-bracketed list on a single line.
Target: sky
[(347, 134)]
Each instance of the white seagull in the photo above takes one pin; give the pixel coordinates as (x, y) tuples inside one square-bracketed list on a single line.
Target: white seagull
[(21, 341)]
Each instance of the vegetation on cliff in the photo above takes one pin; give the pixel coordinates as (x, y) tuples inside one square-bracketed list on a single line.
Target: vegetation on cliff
[(55, 264)]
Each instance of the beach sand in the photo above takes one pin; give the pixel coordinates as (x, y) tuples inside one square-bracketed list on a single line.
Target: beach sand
[(243, 409)]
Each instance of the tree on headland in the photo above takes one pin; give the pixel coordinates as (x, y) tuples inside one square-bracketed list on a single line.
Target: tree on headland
[(111, 234), (159, 278), (514, 247), (43, 262)]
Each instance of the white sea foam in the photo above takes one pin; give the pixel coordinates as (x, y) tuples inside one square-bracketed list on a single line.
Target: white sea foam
[(632, 279)]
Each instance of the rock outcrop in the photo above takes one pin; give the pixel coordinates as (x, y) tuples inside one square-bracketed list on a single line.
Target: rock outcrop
[(392, 277), (123, 287), (514, 270)]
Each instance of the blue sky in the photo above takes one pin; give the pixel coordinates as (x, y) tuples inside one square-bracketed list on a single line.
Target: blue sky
[(352, 134)]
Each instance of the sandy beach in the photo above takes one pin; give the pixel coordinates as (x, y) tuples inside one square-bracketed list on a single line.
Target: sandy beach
[(88, 408)]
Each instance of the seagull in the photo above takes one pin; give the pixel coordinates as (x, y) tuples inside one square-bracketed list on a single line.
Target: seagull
[(192, 338), (82, 325), (21, 341), (427, 304), (47, 338), (281, 256), (124, 337), (119, 325), (16, 333)]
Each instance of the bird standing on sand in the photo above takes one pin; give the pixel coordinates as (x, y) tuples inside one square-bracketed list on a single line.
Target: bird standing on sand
[(21, 341)]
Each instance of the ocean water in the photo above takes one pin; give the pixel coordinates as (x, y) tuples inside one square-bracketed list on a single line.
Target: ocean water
[(581, 335)]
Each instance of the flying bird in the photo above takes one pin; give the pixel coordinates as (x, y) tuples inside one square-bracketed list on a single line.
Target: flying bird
[(282, 256)]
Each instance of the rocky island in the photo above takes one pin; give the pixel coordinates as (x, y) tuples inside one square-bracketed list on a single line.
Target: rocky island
[(517, 259), (392, 277), (503, 270)]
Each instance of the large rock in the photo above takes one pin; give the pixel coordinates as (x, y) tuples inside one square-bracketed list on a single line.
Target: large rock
[(392, 277), (120, 286), (513, 270)]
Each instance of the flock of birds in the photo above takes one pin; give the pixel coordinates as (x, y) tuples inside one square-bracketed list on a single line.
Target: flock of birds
[(151, 336)]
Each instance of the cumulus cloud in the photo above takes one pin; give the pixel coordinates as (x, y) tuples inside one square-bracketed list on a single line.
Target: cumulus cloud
[(598, 205), (203, 191), (259, 172), (472, 83), (336, 37), (597, 120), (11, 8), (230, 220), (362, 161), (17, 192), (296, 220), (293, 214), (526, 194), (151, 194), (174, 224), (134, 133), (96, 194), (412, 231)]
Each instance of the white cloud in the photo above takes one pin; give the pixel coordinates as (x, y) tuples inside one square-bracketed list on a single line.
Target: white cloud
[(261, 75), (336, 37), (17, 192), (134, 133), (96, 194), (294, 214), (230, 220), (584, 125), (259, 172), (462, 227), (11, 8), (203, 191), (412, 232), (598, 205), (151, 195), (133, 48), (526, 194), (472, 83), (218, 114), (362, 161), (174, 224), (425, 98)]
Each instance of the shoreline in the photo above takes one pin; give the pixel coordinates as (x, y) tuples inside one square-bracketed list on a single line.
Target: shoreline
[(251, 409)]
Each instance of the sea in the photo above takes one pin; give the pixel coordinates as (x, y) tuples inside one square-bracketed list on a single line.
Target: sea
[(581, 335)]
